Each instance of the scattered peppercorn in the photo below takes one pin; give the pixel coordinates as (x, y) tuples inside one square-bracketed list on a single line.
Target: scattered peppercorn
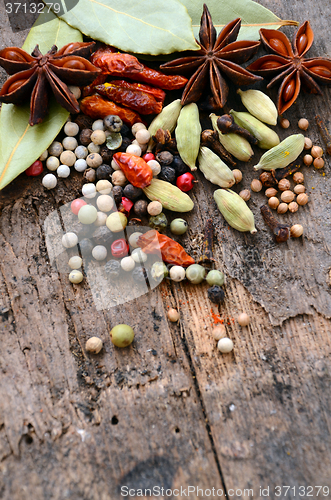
[(179, 166), (139, 274), (219, 332), (216, 294), (178, 226), (225, 345), (122, 335), (85, 136), (165, 158), (173, 315), (243, 319), (132, 192), (140, 208), (118, 194), (284, 123), (168, 174)]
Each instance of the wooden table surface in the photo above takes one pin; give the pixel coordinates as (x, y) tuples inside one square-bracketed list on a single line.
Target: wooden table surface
[(171, 411)]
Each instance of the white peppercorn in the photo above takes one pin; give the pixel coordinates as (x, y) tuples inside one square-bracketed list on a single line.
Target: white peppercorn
[(63, 171), (76, 276), (81, 152), (105, 203), (70, 143), (69, 240), (94, 345), (99, 252), (143, 136), (87, 214), (75, 262), (154, 208), (43, 156), (134, 149), (137, 126), (94, 160), (98, 125), (101, 219), (118, 178), (155, 166), (127, 263), (133, 239), (77, 93), (49, 181), (177, 273), (243, 319), (68, 158), (55, 149), (89, 190), (104, 187), (98, 137), (93, 148), (80, 165), (138, 255), (173, 315), (116, 222), (52, 163), (225, 345)]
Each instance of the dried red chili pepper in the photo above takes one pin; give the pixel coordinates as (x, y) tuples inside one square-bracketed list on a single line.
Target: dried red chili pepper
[(139, 101), (97, 107), (89, 89), (126, 205), (154, 77), (136, 170), (171, 251), (115, 63), (158, 94)]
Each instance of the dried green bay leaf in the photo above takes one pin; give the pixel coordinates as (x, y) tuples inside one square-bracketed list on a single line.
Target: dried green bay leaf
[(253, 16), (20, 143), (154, 28)]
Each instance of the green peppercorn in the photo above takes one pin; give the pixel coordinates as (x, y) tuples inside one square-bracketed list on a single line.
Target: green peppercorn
[(113, 123), (158, 222), (215, 277), (195, 273), (178, 226), (159, 271), (122, 335)]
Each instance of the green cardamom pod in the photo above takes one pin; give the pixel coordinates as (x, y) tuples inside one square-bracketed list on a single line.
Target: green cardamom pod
[(238, 146), (234, 210), (267, 138), (282, 155), (214, 169), (188, 132), (259, 105), (170, 196), (166, 120)]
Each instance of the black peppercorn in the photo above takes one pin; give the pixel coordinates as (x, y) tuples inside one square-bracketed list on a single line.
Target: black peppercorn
[(103, 172), (139, 274), (164, 158), (83, 121), (215, 294), (113, 268), (117, 194), (85, 136), (179, 166), (125, 143), (106, 154), (125, 130), (102, 235), (86, 246), (140, 208), (132, 192), (167, 174)]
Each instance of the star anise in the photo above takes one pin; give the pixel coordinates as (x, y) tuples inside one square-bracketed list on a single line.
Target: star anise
[(289, 66), (35, 76), (218, 56)]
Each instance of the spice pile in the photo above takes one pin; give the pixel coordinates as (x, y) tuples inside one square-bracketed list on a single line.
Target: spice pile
[(136, 172)]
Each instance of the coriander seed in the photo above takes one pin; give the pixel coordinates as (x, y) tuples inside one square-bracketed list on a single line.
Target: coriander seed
[(298, 178), (318, 163), (219, 332), (284, 185), (303, 123), (237, 174), (245, 194), (308, 143), (302, 199), (282, 208), (243, 319), (225, 345), (316, 151), (308, 160), (173, 315), (273, 202), (94, 345), (293, 207), (284, 123), (296, 231), (270, 192), (299, 188), (287, 196), (256, 185)]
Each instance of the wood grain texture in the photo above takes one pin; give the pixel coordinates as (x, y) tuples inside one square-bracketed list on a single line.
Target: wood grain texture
[(170, 410)]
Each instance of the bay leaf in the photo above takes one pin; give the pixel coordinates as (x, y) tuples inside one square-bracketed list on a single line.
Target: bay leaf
[(136, 26), (20, 143), (253, 16)]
